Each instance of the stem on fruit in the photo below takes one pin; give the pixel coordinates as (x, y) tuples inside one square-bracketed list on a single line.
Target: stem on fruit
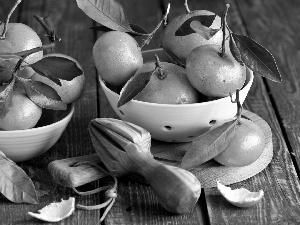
[(224, 26), (7, 19), (164, 19), (239, 105), (18, 65), (161, 75), (50, 33), (26, 53), (186, 7)]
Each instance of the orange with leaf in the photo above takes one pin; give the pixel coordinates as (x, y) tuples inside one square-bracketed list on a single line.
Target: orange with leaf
[(70, 83), (22, 98), (37, 92), (190, 30), (215, 66), (29, 81), (167, 83), (18, 37), (22, 112), (237, 142), (215, 61)]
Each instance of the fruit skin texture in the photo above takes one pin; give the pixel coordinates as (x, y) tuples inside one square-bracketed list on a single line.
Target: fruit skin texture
[(69, 91), (174, 88), (246, 146), (117, 56), (181, 46), (23, 113), (20, 37), (213, 75)]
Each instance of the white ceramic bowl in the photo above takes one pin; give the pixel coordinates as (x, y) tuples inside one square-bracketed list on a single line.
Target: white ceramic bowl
[(22, 145), (177, 123)]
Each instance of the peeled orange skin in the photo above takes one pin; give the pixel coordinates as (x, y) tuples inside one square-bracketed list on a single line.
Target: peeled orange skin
[(22, 114), (246, 146), (175, 88), (213, 75), (20, 37), (181, 46), (117, 56), (69, 91)]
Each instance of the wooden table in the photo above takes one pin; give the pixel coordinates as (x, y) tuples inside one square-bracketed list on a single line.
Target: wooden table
[(274, 24)]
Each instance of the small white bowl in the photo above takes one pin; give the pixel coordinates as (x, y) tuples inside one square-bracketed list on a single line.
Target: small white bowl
[(22, 145), (176, 123)]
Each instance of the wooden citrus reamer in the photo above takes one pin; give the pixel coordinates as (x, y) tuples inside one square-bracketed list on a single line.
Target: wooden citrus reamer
[(124, 148)]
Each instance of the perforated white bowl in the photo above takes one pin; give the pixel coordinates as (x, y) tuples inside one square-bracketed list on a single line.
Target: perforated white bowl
[(175, 123)]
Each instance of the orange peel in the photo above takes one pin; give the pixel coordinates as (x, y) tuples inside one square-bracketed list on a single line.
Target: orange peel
[(240, 197), (56, 211)]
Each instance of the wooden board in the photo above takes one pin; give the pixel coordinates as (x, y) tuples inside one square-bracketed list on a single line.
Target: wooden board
[(274, 24)]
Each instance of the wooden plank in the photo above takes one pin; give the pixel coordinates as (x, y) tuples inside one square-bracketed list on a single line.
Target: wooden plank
[(279, 180), (278, 31), (72, 25), (136, 203)]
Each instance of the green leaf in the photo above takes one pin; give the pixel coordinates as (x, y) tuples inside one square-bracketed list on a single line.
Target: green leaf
[(15, 185), (198, 24), (235, 51), (209, 145), (108, 13), (138, 30), (134, 86), (57, 68), (7, 66), (257, 58), (42, 94), (5, 97)]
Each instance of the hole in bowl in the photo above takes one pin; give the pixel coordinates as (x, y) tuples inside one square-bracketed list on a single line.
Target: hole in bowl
[(212, 122), (122, 113), (190, 136), (168, 128)]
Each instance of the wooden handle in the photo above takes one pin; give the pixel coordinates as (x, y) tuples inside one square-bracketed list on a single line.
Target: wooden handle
[(70, 172), (177, 190)]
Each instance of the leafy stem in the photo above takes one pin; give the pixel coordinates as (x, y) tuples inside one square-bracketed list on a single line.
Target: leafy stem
[(7, 19), (161, 75), (26, 53), (50, 33), (164, 19), (224, 27)]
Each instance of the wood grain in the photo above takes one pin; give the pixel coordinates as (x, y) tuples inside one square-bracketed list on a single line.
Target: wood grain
[(72, 26), (279, 180), (136, 203), (278, 32), (274, 24)]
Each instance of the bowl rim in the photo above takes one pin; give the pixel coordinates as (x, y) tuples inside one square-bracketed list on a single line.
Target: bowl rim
[(103, 85), (39, 129), (174, 105)]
